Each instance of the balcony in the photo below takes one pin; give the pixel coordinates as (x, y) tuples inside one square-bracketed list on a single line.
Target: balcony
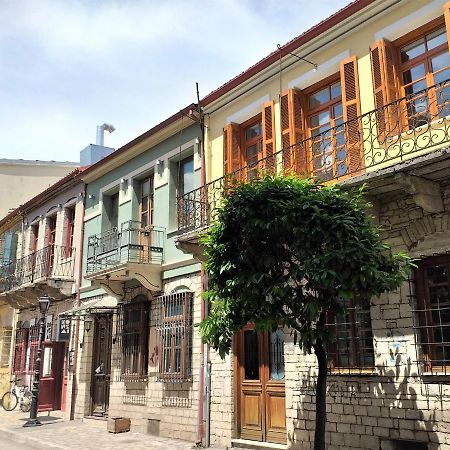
[(408, 136), (120, 255), (49, 271)]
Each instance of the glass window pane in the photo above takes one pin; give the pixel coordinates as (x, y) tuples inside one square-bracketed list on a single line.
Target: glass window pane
[(336, 90), (187, 175), (47, 362), (441, 61), (251, 363), (276, 355), (253, 131), (337, 111), (145, 188), (412, 50), (319, 98), (436, 38)]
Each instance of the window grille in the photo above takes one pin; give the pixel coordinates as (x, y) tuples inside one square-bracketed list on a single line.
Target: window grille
[(432, 313), (352, 348), (174, 328), (5, 346), (33, 338), (132, 333)]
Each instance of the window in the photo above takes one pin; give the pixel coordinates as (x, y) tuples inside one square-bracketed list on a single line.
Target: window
[(134, 337), (34, 235), (325, 122), (70, 227), (433, 303), (146, 201), (113, 210), (185, 176), (425, 63), (252, 148), (353, 345), (5, 345), (20, 351), (174, 327), (33, 338)]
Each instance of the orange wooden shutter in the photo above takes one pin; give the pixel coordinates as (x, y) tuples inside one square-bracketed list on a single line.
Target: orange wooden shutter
[(231, 148), (292, 135), (447, 21), (385, 86), (351, 111), (268, 129)]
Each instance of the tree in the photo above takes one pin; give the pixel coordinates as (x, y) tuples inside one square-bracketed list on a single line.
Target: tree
[(284, 252)]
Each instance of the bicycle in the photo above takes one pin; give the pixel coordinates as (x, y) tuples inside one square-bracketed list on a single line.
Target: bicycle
[(17, 395)]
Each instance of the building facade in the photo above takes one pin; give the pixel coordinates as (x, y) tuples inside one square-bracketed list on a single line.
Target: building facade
[(363, 97), (138, 353), (43, 239)]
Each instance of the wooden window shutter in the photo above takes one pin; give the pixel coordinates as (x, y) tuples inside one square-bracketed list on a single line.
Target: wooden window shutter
[(447, 21), (292, 133), (384, 76), (352, 112), (231, 148), (268, 129)]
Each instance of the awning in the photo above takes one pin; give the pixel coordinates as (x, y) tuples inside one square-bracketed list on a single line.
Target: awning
[(97, 305)]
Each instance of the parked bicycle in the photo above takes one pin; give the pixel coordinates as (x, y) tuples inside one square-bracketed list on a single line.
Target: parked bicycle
[(18, 395)]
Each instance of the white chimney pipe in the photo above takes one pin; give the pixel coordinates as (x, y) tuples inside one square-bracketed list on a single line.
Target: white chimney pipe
[(101, 133)]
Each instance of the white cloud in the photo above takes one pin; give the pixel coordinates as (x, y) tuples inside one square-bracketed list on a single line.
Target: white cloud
[(69, 65)]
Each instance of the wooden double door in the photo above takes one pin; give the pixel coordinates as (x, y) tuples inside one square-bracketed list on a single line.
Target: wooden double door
[(261, 406)]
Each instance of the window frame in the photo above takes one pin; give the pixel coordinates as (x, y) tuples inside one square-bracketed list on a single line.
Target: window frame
[(129, 331), (247, 143), (174, 326), (150, 200), (334, 366), (180, 178), (70, 230)]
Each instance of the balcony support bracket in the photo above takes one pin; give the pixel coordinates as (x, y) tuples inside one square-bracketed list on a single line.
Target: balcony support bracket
[(425, 193)]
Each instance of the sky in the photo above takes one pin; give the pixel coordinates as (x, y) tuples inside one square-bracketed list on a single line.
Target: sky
[(67, 66)]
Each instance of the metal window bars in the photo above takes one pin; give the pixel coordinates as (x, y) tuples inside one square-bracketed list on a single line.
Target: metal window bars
[(132, 243), (6, 334), (382, 137), (53, 261), (174, 330)]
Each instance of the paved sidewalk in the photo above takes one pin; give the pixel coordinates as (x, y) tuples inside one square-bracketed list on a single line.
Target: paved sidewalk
[(57, 434)]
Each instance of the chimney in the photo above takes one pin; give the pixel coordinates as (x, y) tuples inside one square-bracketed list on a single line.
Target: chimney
[(95, 152)]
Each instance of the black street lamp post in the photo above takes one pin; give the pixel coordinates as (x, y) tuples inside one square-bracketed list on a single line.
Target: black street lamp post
[(44, 303)]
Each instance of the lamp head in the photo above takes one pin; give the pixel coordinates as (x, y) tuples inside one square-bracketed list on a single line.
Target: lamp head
[(88, 324), (44, 303)]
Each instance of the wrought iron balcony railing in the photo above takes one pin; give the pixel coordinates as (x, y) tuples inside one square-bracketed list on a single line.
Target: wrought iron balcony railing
[(51, 262), (408, 127), (133, 243)]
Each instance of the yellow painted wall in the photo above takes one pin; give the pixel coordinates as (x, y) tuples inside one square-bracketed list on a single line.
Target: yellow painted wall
[(358, 43)]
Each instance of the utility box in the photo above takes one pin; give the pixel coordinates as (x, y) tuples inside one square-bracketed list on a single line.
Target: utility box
[(118, 424)]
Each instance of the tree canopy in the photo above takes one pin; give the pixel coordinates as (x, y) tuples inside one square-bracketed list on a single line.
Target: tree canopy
[(284, 251)]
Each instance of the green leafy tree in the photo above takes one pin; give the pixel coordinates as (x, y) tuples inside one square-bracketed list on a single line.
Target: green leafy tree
[(286, 251)]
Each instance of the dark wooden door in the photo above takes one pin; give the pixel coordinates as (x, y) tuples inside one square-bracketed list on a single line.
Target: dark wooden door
[(50, 384), (260, 385), (101, 364)]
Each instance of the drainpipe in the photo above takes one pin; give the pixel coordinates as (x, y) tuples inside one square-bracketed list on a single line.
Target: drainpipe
[(78, 303), (201, 384), (207, 382)]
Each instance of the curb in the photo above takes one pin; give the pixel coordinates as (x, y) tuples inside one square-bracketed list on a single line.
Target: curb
[(22, 438)]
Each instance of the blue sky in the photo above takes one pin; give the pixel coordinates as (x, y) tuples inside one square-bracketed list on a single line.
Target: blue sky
[(69, 65)]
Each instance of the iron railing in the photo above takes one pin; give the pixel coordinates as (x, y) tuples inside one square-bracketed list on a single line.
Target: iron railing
[(403, 129), (133, 243), (51, 262)]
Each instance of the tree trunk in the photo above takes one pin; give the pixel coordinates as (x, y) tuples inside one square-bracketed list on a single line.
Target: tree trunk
[(321, 396)]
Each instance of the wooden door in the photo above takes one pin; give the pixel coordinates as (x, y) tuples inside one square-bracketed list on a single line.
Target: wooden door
[(50, 384), (101, 364), (260, 386)]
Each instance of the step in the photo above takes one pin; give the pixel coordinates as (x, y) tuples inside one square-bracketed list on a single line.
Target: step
[(246, 444)]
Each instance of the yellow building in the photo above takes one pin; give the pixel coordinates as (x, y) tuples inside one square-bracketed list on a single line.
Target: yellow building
[(362, 97)]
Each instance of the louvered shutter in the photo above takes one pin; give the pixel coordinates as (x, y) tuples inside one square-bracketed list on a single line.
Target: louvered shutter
[(292, 134), (384, 76), (351, 112), (231, 148), (268, 129), (447, 21)]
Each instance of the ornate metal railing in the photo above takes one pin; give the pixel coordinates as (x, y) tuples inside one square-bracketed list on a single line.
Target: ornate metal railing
[(133, 243), (51, 262), (403, 129)]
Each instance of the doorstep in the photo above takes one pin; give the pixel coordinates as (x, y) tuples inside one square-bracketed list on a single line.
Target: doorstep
[(246, 444)]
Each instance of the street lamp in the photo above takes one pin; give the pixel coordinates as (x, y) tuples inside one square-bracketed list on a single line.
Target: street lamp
[(44, 303)]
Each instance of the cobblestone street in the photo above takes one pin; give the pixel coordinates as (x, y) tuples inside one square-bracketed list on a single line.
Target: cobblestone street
[(58, 434)]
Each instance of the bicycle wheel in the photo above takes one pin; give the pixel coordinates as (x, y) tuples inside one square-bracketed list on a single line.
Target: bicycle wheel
[(25, 401), (9, 401)]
